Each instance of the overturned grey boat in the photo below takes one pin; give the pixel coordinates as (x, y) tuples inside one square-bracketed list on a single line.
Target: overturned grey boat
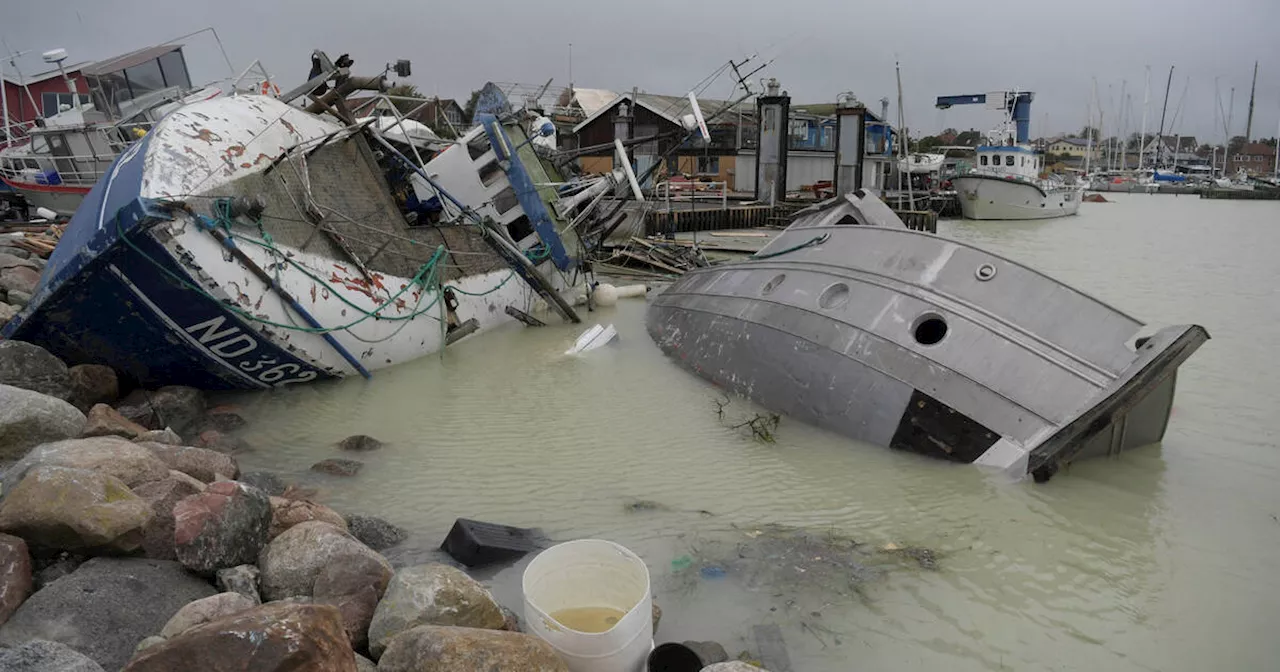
[(852, 322)]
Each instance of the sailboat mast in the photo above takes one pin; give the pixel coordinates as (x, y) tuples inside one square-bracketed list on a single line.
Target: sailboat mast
[(1146, 103), (904, 152), (1248, 126), (1164, 109), (1231, 114)]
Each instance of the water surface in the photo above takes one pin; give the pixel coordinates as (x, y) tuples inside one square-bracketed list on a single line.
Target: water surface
[(1162, 559)]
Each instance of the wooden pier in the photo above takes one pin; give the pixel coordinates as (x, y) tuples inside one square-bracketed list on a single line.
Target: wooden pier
[(1241, 195)]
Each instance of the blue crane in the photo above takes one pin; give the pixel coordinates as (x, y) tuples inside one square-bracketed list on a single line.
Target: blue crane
[(1016, 103)]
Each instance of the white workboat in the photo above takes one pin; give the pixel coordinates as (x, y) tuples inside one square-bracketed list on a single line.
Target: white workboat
[(1005, 182)]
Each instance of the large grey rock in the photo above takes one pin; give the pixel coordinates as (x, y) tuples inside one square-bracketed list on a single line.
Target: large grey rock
[(360, 443), (15, 252), (44, 656), (109, 455), (335, 466), (53, 568), (92, 384), (201, 463), (242, 579), (277, 637), (224, 526), (354, 586), (365, 665), (433, 648), (103, 420), (162, 497), (15, 575), (7, 312), (433, 594), (265, 481), (19, 279), (166, 436), (285, 513), (106, 607), (173, 406), (28, 419), (291, 562), (75, 509), (205, 610), (375, 532), (31, 367), (18, 298)]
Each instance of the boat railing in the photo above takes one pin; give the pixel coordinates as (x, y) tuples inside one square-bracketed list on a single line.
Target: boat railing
[(675, 191), (53, 167), (261, 84)]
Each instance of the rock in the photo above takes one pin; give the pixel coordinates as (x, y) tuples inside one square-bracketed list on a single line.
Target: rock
[(365, 665), (92, 384), (71, 509), (709, 653), (360, 443), (20, 279), (177, 406), (354, 587), (291, 562), (166, 436), (205, 610), (224, 418), (31, 367), (137, 407), (148, 643), (242, 579), (6, 312), (18, 298), (432, 594), (265, 481), (338, 467), (657, 616), (733, 666), (511, 621), (44, 656), (196, 483), (162, 497), (223, 443), (375, 532), (28, 419), (277, 637), (285, 513), (16, 252), (61, 565), (15, 575), (224, 526), (432, 648), (200, 463), (106, 421), (108, 455), (106, 607)]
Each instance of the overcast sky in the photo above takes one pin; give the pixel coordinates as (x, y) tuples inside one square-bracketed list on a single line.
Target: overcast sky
[(819, 48)]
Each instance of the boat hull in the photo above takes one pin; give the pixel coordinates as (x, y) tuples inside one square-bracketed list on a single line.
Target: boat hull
[(61, 199), (1000, 199), (837, 333)]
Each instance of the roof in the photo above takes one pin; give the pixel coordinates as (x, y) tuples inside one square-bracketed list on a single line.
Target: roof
[(26, 80), (1188, 142), (591, 100), (1255, 148), (1079, 142), (671, 108), (117, 63)]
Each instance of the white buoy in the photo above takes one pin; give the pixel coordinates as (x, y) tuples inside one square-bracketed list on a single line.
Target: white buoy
[(631, 291), (605, 294), (46, 213)]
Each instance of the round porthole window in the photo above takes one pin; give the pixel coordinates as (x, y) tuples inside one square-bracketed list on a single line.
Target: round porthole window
[(930, 329), (773, 284), (985, 272), (834, 296)]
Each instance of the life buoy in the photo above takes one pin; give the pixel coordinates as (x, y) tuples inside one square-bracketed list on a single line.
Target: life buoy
[(269, 88)]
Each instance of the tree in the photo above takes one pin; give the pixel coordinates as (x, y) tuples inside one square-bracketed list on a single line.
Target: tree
[(1089, 132), (469, 110), (969, 138), (405, 91), (1236, 144)]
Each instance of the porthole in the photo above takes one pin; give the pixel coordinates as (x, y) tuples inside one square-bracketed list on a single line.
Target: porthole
[(773, 284), (985, 272), (834, 296), (929, 329)]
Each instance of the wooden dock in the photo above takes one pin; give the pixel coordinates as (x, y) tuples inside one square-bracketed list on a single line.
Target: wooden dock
[(1241, 195)]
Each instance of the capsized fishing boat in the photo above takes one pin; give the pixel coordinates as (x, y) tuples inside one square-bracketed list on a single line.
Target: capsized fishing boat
[(247, 243), (850, 321)]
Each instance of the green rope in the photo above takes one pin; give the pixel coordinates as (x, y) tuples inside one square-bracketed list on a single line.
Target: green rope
[(816, 240)]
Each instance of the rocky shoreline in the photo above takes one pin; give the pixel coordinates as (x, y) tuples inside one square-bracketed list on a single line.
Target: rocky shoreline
[(131, 540)]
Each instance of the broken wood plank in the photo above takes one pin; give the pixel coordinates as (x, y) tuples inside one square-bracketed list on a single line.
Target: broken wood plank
[(650, 261)]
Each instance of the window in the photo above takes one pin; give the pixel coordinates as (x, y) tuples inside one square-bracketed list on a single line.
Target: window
[(52, 103), (708, 165), (174, 70), (1024, 161), (145, 78), (1008, 160), (30, 164), (983, 159), (799, 129)]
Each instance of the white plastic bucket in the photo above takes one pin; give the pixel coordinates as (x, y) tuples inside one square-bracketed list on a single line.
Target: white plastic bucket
[(591, 573)]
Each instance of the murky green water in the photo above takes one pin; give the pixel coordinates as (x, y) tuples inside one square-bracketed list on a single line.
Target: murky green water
[(1164, 559)]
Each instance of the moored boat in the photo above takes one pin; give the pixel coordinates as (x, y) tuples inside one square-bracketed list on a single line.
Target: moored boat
[(850, 321)]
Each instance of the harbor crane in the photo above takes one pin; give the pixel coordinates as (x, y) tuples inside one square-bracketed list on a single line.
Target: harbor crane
[(1017, 104)]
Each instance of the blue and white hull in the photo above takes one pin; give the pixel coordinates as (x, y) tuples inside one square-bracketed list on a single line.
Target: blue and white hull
[(143, 280)]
